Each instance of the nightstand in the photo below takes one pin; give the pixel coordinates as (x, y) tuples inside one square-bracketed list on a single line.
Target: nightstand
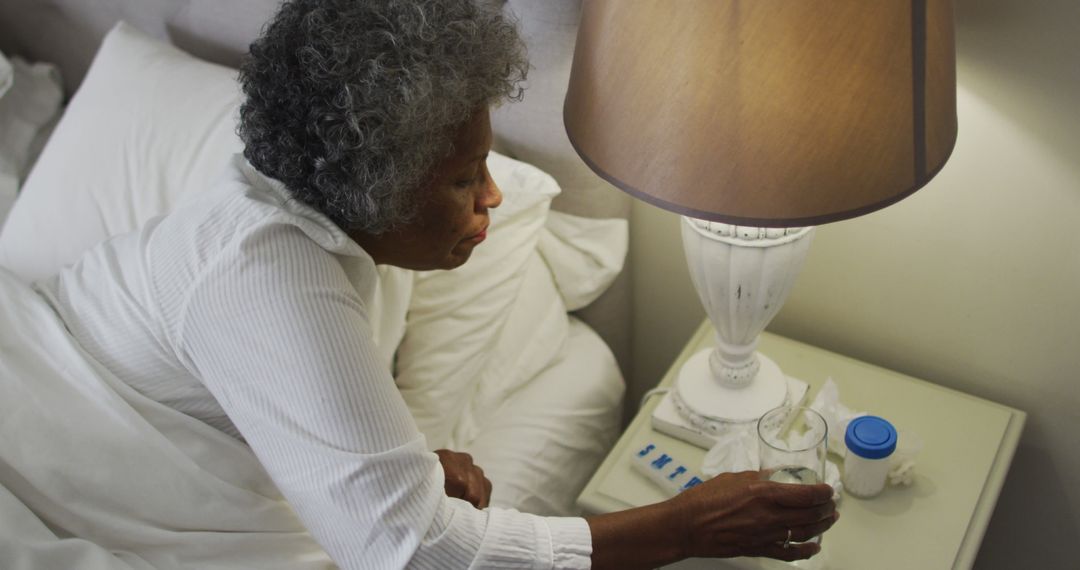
[(938, 522)]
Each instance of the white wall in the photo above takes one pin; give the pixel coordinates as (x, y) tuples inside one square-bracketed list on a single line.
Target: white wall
[(973, 283)]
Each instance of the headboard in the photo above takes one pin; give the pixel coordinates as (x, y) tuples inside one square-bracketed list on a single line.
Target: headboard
[(67, 33)]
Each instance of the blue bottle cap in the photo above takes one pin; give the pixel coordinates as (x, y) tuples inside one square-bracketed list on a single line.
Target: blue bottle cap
[(870, 437)]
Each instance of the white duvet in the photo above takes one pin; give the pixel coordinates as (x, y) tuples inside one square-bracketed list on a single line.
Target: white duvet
[(141, 485)]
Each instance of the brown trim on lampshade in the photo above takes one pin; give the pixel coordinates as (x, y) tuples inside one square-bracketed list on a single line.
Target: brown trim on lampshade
[(768, 113), (918, 86)]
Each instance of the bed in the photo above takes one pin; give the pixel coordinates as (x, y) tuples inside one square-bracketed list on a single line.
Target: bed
[(529, 382)]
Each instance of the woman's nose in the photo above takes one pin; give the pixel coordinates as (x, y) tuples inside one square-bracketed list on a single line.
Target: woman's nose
[(492, 196)]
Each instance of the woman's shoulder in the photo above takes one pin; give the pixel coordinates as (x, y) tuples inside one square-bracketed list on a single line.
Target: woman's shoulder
[(246, 220), (246, 207), (269, 196)]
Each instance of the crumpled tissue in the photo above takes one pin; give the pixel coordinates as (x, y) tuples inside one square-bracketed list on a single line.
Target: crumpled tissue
[(737, 449), (902, 461), (837, 415)]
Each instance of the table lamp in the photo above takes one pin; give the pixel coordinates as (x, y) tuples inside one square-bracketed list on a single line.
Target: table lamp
[(757, 120)]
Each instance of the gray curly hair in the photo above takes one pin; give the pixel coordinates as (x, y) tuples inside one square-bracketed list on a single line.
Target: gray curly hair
[(351, 103)]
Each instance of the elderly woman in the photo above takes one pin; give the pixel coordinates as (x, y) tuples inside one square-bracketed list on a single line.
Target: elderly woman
[(366, 129)]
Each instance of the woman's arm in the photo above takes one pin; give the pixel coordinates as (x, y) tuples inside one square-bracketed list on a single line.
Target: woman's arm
[(734, 514)]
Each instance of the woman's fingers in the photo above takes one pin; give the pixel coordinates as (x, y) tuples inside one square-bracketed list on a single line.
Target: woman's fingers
[(806, 532), (464, 480), (455, 472), (487, 494), (479, 488), (800, 496), (804, 516), (799, 532), (792, 552)]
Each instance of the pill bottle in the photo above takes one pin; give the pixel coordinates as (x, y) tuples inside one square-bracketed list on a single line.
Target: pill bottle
[(870, 441)]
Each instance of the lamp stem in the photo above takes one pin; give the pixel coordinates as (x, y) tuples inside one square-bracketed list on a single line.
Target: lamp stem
[(734, 365)]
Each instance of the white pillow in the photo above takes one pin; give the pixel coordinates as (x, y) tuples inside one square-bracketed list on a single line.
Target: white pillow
[(30, 98), (148, 124), (479, 332), (585, 255)]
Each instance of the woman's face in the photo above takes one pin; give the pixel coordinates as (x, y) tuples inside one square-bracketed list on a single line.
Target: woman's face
[(453, 214)]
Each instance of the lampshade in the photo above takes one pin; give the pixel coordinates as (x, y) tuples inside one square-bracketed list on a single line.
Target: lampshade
[(764, 112)]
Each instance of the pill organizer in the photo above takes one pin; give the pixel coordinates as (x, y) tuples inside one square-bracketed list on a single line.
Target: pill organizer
[(663, 469)]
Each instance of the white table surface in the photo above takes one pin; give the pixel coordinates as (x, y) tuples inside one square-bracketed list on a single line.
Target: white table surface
[(938, 522)]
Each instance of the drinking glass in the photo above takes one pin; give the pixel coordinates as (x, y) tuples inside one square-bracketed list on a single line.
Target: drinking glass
[(793, 446)]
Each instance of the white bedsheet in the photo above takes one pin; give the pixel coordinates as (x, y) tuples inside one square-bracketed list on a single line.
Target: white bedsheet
[(143, 486)]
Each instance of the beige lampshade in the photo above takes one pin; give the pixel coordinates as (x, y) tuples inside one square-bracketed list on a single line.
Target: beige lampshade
[(765, 112)]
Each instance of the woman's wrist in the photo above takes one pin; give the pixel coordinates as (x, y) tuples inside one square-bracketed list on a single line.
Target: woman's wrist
[(644, 537), (680, 517)]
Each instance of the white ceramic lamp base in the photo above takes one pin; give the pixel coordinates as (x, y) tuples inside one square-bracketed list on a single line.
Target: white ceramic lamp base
[(700, 395), (677, 416)]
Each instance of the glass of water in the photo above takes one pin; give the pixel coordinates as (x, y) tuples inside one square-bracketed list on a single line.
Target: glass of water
[(793, 443)]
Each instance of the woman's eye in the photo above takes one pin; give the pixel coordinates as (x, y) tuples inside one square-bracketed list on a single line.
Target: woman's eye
[(470, 181)]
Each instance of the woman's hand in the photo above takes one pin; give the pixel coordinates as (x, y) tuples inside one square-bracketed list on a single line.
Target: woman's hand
[(734, 514), (740, 514), (464, 480)]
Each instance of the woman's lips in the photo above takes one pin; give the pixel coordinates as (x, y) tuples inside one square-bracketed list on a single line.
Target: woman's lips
[(478, 237)]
